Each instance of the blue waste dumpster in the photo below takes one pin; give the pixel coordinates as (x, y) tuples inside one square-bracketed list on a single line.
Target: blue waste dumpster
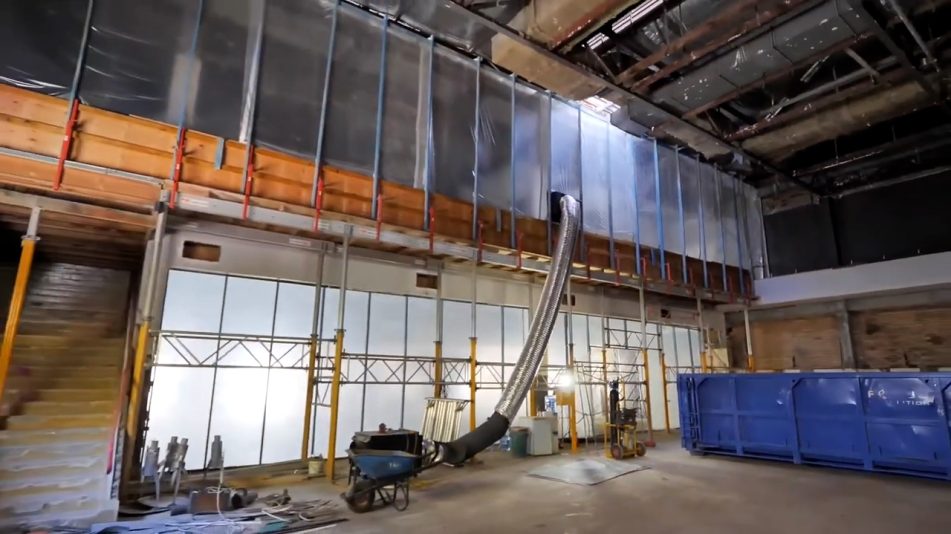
[(882, 422)]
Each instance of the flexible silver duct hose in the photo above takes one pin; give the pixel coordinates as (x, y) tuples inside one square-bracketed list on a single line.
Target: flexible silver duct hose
[(514, 393), (545, 313)]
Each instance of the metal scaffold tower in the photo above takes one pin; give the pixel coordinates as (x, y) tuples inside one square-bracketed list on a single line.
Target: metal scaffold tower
[(628, 357)]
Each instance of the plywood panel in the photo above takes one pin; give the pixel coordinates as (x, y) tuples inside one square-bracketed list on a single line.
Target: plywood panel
[(902, 338)]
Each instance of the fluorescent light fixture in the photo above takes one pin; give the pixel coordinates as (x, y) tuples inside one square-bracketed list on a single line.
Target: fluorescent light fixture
[(642, 10), (600, 105), (596, 41)]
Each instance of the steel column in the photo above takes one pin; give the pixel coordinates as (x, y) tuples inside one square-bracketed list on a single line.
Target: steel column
[(143, 339), (476, 141), (324, 97), (703, 336), (660, 211), (716, 178), (572, 408), (750, 361), (338, 355), (642, 303), (703, 232), (546, 202), (18, 299), (378, 138), (512, 237), (73, 110), (637, 212), (312, 359), (428, 163), (739, 239), (473, 343), (249, 110), (607, 168), (581, 236), (437, 350), (176, 168), (683, 224)]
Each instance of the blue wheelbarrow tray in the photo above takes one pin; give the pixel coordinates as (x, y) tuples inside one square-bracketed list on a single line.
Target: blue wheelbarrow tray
[(383, 465)]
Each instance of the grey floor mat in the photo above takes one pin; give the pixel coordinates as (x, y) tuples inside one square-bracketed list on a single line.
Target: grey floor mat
[(587, 472)]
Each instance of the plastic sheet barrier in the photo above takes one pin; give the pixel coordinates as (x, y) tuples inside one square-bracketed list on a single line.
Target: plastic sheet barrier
[(331, 82)]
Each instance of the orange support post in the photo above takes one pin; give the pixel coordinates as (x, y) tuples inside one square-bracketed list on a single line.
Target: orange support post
[(19, 297)]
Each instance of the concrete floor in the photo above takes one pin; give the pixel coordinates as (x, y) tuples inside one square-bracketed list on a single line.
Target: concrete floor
[(679, 493)]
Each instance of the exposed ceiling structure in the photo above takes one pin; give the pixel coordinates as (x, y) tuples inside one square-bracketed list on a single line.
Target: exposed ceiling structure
[(827, 96)]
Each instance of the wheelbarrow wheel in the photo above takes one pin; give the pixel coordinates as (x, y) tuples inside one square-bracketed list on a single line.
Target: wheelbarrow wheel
[(401, 496), (360, 496)]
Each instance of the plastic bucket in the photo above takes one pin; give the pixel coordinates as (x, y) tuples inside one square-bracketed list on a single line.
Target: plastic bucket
[(519, 435)]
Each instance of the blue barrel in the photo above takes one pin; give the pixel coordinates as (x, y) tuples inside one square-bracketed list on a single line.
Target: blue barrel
[(881, 422), (519, 435)]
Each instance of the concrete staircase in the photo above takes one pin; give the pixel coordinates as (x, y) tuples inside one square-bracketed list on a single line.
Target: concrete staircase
[(59, 410)]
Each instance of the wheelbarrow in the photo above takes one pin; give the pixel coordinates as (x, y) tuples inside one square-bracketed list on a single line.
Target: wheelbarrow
[(380, 473)]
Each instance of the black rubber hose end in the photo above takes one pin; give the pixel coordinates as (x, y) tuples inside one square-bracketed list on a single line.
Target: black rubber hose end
[(460, 450)]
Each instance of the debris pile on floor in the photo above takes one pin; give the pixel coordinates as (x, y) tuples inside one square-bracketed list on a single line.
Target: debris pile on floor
[(587, 472), (275, 513)]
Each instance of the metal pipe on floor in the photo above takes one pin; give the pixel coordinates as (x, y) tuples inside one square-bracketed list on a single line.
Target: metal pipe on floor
[(142, 341), (338, 355), (18, 299), (312, 359)]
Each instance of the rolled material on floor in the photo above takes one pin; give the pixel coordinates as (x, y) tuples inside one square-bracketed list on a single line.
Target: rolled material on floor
[(523, 373)]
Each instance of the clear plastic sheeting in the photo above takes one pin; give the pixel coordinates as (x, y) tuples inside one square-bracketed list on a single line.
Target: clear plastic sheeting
[(728, 218), (669, 203), (531, 116), (217, 98), (711, 216), (453, 144), (690, 182), (595, 175), (354, 85), (622, 173), (40, 42), (267, 61), (646, 193), (756, 237), (293, 70), (495, 140), (565, 149), (402, 129), (137, 57)]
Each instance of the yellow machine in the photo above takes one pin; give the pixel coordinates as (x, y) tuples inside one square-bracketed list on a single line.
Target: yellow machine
[(620, 432)]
